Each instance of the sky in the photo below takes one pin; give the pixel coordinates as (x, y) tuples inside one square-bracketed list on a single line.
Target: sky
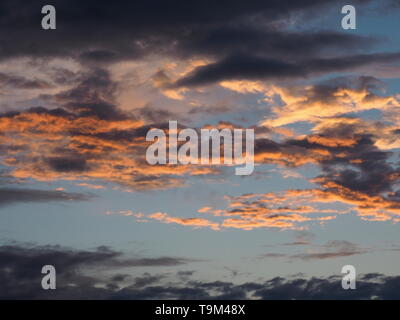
[(77, 192)]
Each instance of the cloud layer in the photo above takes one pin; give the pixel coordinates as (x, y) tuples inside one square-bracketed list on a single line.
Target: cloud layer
[(21, 266)]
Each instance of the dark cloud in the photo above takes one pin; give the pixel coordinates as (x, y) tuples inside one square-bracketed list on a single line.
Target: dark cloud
[(10, 196), (20, 271), (225, 41), (21, 266), (67, 164), (251, 67), (93, 95), (356, 169), (146, 280), (361, 167), (100, 32)]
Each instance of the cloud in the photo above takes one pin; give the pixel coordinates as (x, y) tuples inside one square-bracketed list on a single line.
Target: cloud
[(91, 186), (252, 212), (270, 42), (302, 238), (48, 144), (193, 222), (86, 137), (146, 280), (18, 82), (273, 255), (93, 95), (21, 277), (333, 249), (250, 67), (354, 173), (331, 98), (21, 270), (370, 286), (9, 196), (271, 210), (67, 164), (355, 170), (84, 134), (113, 34)]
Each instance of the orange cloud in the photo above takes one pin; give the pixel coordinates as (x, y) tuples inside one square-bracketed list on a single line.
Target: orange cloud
[(192, 222), (50, 144), (312, 103)]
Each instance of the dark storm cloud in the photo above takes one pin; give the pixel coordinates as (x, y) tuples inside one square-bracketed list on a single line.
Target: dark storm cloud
[(226, 41), (10, 196), (104, 32), (20, 276), (249, 67), (244, 38)]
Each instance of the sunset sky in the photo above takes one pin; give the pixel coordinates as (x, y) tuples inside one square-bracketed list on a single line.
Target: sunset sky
[(76, 191)]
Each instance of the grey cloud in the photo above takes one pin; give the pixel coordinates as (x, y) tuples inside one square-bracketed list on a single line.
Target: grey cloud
[(93, 95), (18, 82), (251, 67), (10, 196), (146, 280), (331, 250)]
